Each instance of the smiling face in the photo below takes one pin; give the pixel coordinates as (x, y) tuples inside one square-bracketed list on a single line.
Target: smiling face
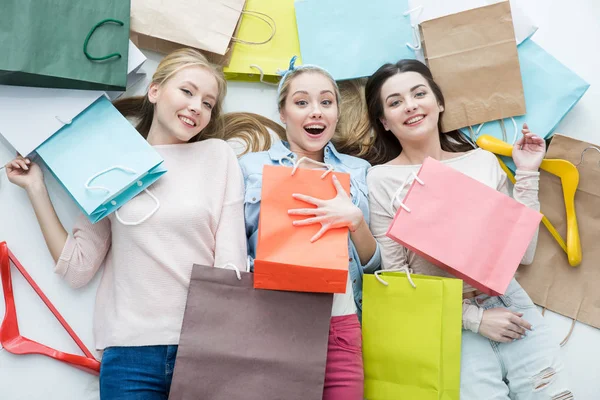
[(410, 108), (184, 103), (310, 112)]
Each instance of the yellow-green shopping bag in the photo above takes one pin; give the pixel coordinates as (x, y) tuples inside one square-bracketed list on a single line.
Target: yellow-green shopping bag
[(411, 327), (254, 62)]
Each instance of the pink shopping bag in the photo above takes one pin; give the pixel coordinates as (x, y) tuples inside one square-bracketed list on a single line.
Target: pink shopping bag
[(464, 226)]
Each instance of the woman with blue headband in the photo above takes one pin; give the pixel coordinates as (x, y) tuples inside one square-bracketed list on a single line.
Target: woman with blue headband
[(308, 105)]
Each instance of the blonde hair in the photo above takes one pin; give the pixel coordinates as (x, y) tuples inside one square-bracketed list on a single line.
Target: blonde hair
[(141, 109), (353, 132)]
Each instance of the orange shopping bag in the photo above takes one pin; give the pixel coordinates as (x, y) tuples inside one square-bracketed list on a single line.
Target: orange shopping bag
[(482, 244), (285, 257)]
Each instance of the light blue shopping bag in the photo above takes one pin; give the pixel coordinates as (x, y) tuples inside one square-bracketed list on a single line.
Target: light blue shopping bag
[(551, 91), (351, 38), (101, 160)]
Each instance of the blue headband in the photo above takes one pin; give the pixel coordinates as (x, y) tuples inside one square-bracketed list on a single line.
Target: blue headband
[(293, 67)]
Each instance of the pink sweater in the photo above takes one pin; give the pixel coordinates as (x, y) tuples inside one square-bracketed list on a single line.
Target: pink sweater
[(142, 295)]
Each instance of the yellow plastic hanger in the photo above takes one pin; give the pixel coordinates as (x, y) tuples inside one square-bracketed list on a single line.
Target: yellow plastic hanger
[(569, 178)]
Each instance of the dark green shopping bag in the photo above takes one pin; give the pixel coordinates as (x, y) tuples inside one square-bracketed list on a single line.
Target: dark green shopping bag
[(71, 44)]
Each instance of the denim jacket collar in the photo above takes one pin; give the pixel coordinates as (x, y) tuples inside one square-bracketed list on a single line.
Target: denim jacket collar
[(281, 149)]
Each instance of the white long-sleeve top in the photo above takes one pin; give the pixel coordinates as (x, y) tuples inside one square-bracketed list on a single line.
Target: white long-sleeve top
[(383, 182)]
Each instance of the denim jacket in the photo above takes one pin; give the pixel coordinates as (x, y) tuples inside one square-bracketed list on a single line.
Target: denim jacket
[(252, 167)]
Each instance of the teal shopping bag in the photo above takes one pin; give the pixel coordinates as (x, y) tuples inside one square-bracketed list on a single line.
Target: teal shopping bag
[(352, 39), (101, 160), (65, 44)]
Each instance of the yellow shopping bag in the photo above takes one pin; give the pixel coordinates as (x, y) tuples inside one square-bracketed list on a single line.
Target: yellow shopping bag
[(411, 336), (251, 61)]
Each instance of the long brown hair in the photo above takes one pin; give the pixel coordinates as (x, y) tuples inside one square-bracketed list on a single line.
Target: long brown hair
[(386, 146), (141, 109)]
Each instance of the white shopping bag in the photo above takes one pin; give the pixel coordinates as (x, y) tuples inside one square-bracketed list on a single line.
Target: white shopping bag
[(31, 115), (134, 63)]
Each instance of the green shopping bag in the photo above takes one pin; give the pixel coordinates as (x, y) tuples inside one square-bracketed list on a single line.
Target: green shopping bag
[(411, 336), (68, 44)]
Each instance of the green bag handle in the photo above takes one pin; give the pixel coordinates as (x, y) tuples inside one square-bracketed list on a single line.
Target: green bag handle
[(89, 35)]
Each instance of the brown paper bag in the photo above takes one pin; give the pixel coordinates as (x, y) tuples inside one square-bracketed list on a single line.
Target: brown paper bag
[(550, 281), (206, 24), (473, 57), (166, 47), (241, 343)]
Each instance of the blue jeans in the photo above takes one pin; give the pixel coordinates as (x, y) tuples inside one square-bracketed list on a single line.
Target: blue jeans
[(137, 373), (526, 369)]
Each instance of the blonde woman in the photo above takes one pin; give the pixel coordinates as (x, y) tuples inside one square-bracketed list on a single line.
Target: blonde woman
[(141, 298), (309, 101)]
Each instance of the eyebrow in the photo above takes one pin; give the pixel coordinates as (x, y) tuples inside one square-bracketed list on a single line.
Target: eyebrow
[(196, 88), (411, 89), (305, 92), (191, 84)]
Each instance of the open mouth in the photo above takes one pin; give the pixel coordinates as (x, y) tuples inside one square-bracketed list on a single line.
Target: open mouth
[(314, 129), (187, 121), (414, 120)]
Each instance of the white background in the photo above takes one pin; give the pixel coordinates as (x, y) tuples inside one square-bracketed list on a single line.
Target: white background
[(570, 31)]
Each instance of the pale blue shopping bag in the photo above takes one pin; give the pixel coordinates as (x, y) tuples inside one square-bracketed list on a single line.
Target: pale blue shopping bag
[(101, 160), (351, 38), (551, 91)]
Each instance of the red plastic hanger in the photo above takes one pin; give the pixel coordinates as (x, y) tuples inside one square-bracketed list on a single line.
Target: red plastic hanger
[(11, 339)]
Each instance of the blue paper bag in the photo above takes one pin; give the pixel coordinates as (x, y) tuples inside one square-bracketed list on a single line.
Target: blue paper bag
[(100, 149), (551, 91), (352, 39)]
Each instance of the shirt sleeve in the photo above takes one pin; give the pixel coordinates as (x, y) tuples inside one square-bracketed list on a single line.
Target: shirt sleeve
[(393, 255), (525, 191), (229, 238), (85, 250), (374, 263), (471, 316)]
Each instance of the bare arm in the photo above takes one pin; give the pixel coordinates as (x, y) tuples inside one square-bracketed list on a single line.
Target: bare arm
[(54, 233), (77, 257), (363, 241), (28, 175)]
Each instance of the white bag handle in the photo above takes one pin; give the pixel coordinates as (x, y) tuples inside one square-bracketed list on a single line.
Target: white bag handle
[(415, 28), (62, 121), (474, 136), (396, 195), (114, 203), (404, 269), (297, 164), (233, 267), (114, 167), (262, 75), (154, 210)]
